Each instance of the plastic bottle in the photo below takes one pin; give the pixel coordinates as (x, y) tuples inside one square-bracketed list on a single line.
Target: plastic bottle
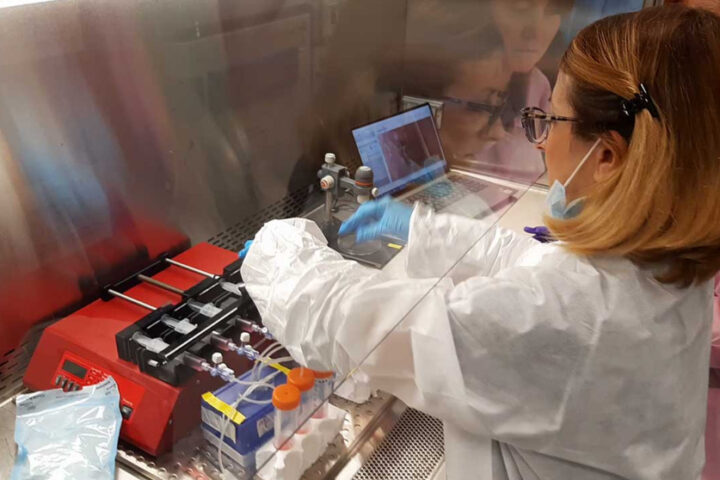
[(304, 380), (286, 400), (323, 389)]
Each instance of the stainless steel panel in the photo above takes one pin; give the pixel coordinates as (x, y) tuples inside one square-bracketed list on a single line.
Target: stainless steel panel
[(123, 117)]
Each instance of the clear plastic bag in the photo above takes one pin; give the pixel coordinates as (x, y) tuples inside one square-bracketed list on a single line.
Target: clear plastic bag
[(68, 435)]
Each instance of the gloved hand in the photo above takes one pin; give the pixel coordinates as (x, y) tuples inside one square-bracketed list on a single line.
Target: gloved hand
[(242, 253), (376, 218), (541, 234)]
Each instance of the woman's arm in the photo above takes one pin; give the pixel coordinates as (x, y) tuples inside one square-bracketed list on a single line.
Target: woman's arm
[(441, 242), (492, 355)]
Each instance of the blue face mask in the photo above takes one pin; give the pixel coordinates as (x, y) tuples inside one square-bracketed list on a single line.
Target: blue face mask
[(557, 200)]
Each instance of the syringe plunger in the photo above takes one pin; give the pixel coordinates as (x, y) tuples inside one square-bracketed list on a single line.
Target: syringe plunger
[(155, 345), (183, 326), (206, 309)]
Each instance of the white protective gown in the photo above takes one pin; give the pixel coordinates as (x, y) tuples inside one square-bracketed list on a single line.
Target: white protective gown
[(576, 368)]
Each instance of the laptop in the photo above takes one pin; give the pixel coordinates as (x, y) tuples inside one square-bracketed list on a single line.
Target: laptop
[(407, 159)]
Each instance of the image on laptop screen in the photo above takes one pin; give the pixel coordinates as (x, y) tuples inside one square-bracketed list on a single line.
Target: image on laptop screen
[(402, 150)]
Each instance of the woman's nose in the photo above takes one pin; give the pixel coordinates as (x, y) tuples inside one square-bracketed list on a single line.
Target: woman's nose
[(495, 132)]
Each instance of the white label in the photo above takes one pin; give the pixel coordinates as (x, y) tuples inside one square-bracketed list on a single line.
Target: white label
[(266, 424), (217, 421)]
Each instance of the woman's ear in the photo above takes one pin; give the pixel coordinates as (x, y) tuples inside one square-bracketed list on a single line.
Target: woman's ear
[(611, 155)]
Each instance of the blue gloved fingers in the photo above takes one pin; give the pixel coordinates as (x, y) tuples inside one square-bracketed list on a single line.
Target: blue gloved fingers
[(397, 220), (243, 253), (368, 232), (541, 230), (541, 234), (368, 212)]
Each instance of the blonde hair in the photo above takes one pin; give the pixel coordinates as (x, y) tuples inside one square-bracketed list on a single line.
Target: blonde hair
[(662, 206)]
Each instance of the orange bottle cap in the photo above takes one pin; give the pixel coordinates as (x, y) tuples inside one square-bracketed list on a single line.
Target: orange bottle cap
[(286, 397), (323, 375), (302, 378)]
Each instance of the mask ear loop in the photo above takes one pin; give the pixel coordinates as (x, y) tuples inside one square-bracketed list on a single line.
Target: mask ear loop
[(582, 162)]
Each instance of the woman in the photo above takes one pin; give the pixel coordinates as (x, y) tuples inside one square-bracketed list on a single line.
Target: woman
[(496, 47), (583, 359)]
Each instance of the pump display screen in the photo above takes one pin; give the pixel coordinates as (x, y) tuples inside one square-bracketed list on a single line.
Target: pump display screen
[(74, 369)]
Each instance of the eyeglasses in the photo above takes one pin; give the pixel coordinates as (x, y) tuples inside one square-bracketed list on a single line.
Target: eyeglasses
[(537, 123), (477, 107), (495, 107)]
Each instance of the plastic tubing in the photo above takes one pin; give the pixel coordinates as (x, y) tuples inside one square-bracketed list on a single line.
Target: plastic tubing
[(235, 405), (261, 361), (275, 347)]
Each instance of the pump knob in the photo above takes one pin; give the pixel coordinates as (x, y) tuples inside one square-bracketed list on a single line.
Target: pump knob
[(364, 176), (327, 182)]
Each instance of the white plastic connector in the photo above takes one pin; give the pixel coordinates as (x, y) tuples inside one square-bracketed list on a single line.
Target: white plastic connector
[(244, 337), (228, 372), (330, 158), (216, 358)]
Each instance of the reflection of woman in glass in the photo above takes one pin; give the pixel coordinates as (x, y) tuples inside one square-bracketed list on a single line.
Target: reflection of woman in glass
[(405, 151), (494, 75), (527, 28), (397, 154)]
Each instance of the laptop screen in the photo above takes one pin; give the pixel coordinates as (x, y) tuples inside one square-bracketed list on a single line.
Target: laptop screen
[(402, 150)]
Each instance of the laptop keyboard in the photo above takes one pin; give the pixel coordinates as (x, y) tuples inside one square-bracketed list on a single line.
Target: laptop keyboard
[(444, 193)]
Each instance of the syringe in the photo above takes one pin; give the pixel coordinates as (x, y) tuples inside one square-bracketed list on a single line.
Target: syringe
[(183, 326), (228, 345), (206, 309), (234, 288), (255, 328), (219, 369)]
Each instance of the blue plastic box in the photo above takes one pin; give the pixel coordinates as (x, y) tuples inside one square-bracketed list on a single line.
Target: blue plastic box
[(251, 425)]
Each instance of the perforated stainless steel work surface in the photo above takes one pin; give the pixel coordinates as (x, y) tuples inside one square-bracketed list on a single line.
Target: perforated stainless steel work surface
[(292, 205), (14, 363), (412, 451)]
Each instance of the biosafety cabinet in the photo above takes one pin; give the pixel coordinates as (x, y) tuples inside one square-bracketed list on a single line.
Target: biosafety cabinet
[(142, 143)]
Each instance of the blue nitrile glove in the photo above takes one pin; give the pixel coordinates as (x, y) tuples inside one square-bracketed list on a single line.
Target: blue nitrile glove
[(242, 253), (377, 218), (541, 234)]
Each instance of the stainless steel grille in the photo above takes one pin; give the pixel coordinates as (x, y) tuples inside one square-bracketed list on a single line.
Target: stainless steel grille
[(291, 205), (412, 450), (14, 363)]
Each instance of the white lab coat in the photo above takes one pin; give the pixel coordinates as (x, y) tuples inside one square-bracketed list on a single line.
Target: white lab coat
[(577, 368)]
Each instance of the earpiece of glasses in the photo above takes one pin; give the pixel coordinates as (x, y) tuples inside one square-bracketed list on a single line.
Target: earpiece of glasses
[(536, 123)]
